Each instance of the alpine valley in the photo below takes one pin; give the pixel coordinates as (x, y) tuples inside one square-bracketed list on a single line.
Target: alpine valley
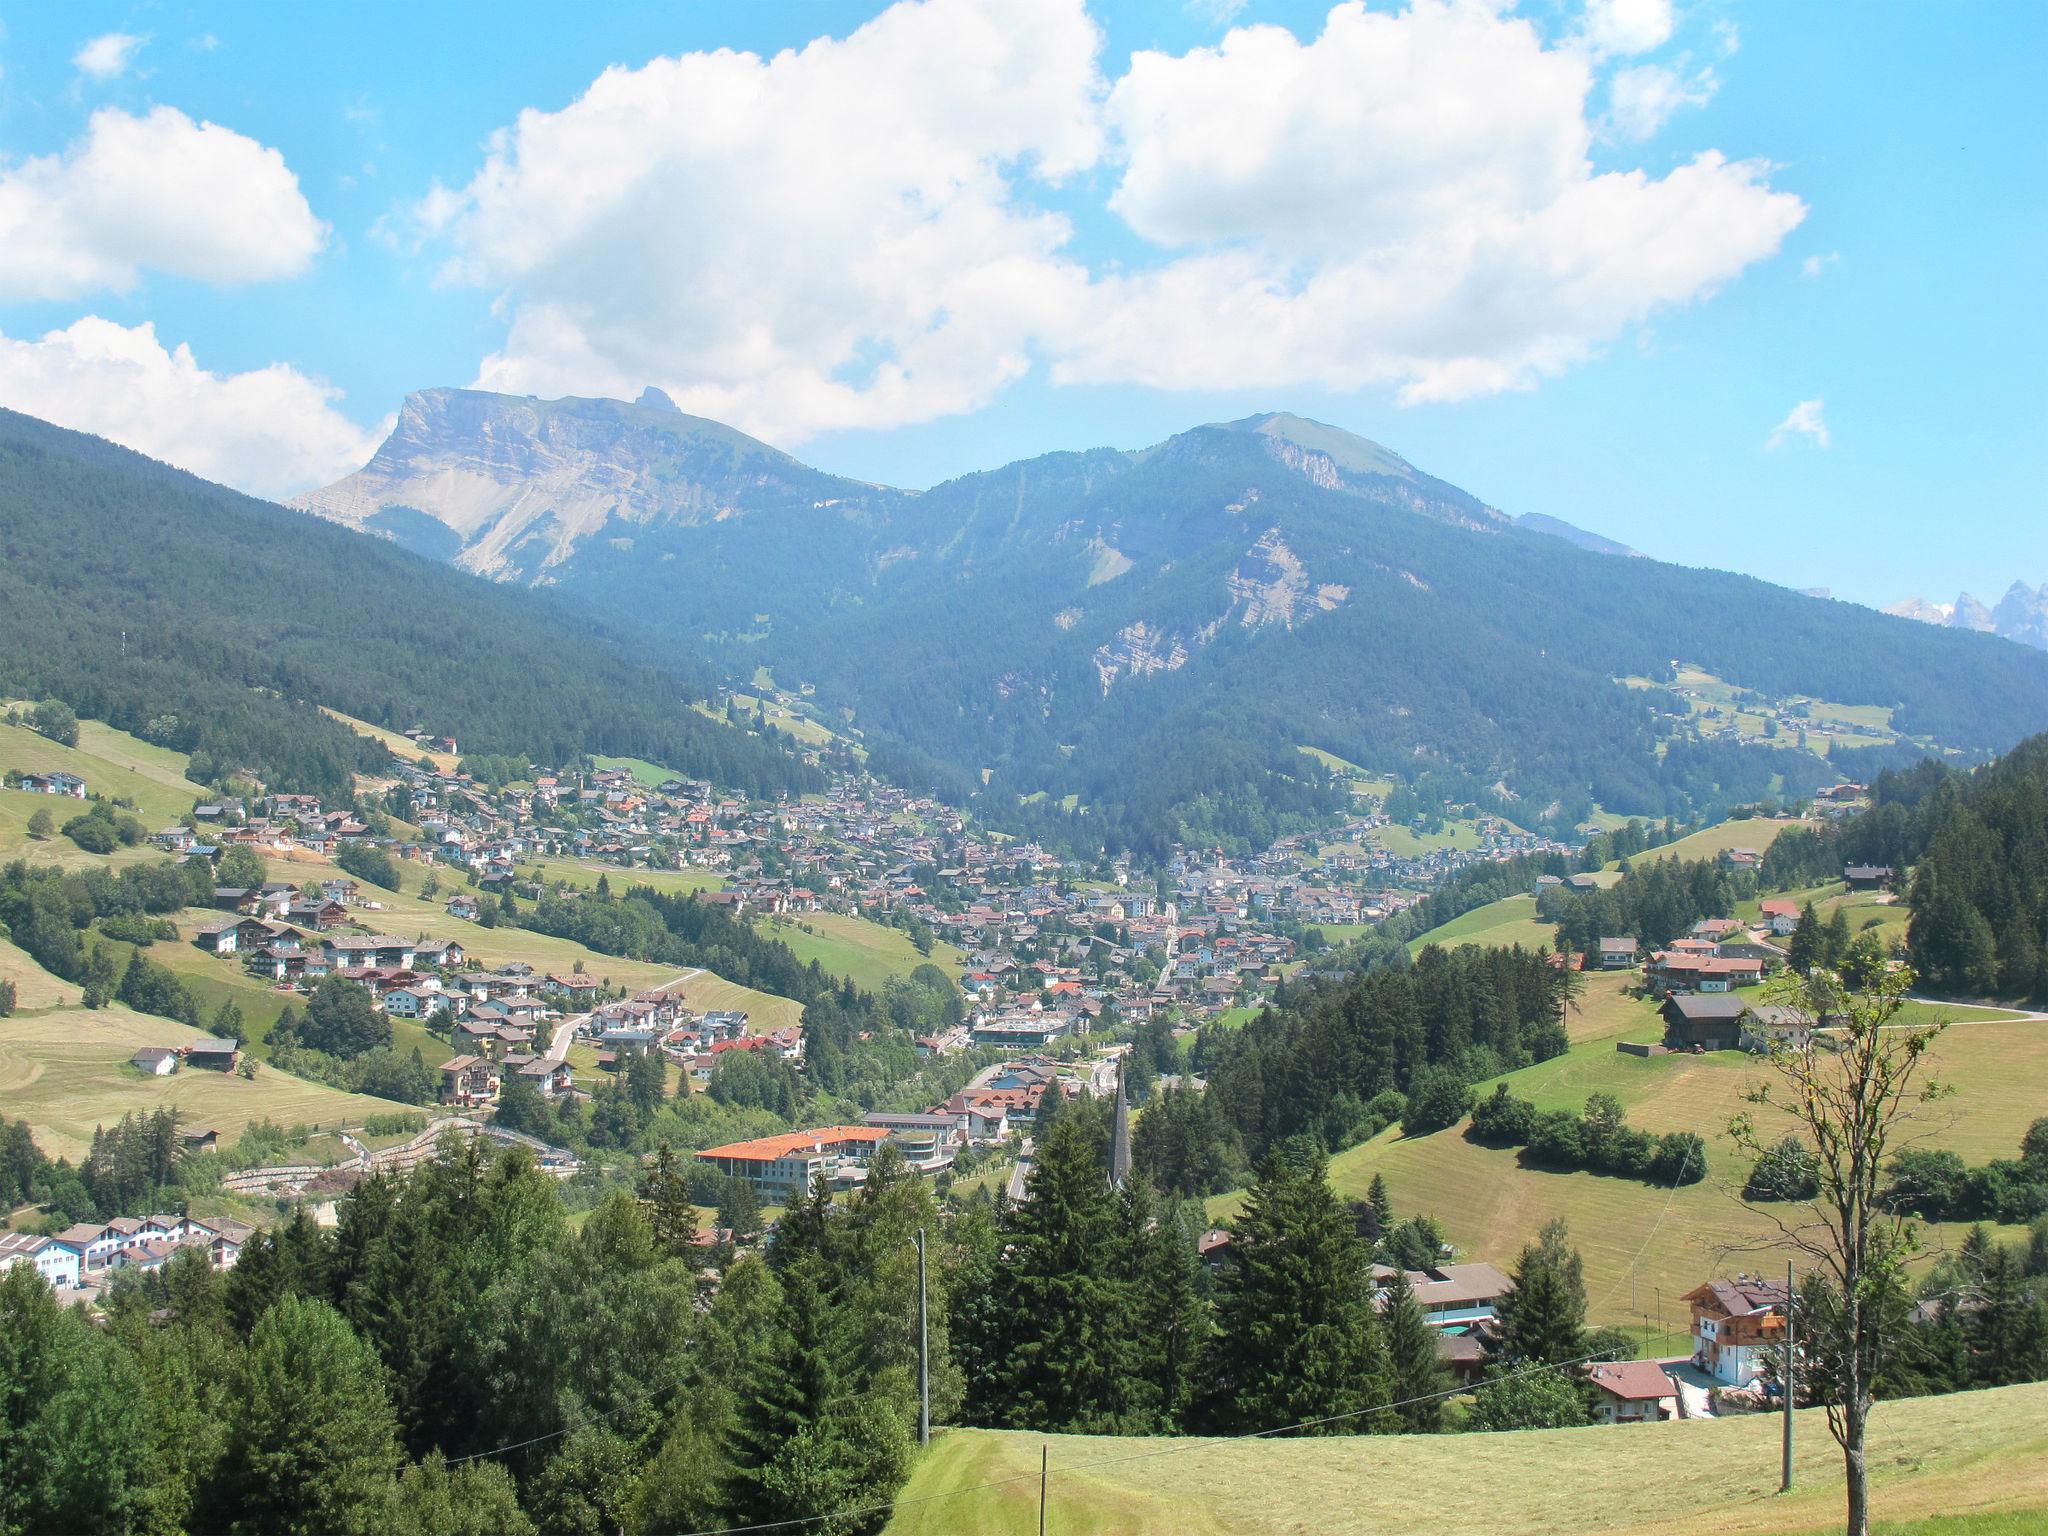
[(1133, 647)]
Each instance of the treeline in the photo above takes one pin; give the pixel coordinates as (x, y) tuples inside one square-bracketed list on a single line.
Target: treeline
[(1337, 1058), (1598, 1139), (1980, 1319), (1940, 1186), (1654, 902), (115, 598), (49, 913), (331, 1381), (136, 1164), (1977, 845)]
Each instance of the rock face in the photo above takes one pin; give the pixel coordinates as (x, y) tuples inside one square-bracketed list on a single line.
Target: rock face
[(2021, 615), (522, 483)]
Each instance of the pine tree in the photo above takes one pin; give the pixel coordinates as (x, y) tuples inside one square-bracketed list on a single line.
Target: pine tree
[(1543, 1319), (1381, 1202), (1297, 1337), (669, 1207), (1419, 1370), (1808, 947), (1174, 1317), (313, 1445)]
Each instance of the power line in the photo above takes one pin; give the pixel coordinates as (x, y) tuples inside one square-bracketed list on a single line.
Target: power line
[(1196, 1443)]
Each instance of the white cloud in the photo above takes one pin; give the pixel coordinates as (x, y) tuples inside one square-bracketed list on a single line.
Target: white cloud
[(1816, 264), (1218, 13), (108, 56), (1405, 200), (1628, 26), (844, 235), (830, 237), (1803, 420), (1644, 97), (271, 432), (159, 192)]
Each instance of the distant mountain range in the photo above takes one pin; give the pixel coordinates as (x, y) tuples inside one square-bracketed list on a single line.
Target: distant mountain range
[(1150, 635), (2022, 614)]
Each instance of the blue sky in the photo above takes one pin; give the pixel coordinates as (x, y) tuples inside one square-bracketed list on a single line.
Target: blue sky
[(976, 230)]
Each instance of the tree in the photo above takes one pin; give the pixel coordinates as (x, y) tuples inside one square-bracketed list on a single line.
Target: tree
[(313, 1445), (1382, 1203), (475, 1498), (41, 823), (1420, 1375), (1297, 1338), (241, 868), (1851, 1096), (1809, 946), (670, 1210), (739, 1210), (54, 718), (1527, 1399), (1542, 1320), (342, 1019), (1438, 1097)]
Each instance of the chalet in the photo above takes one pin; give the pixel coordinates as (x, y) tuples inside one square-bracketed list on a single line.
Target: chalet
[(58, 1263), (1617, 954), (94, 1243), (442, 954), (68, 784), (1581, 885), (1633, 1391), (780, 1168), (156, 1060), (1703, 1021), (1781, 917), (463, 907), (1867, 877), (469, 1080), (218, 936), (372, 949), (202, 1140), (572, 987), (411, 1002), (212, 1054), (552, 1078), (176, 839), (1735, 1324), (1775, 1025)]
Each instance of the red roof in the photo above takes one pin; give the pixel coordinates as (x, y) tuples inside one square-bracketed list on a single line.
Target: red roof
[(1632, 1380), (769, 1149)]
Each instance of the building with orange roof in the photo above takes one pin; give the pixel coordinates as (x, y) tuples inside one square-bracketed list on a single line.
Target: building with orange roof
[(781, 1167)]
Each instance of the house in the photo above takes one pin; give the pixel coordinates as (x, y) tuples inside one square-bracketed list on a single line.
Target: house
[(1633, 1391), (1705, 1021), (780, 1168), (1867, 877), (552, 1078), (156, 1060), (442, 954), (1781, 917), (372, 949), (571, 987), (1770, 1025), (56, 1262), (1735, 1323), (469, 1080), (93, 1242), (1617, 954), (219, 936), (463, 907), (1450, 1295), (201, 1140), (212, 1054), (416, 1002), (54, 784), (176, 839)]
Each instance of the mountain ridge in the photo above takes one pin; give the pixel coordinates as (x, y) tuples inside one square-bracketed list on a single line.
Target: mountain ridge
[(2021, 615)]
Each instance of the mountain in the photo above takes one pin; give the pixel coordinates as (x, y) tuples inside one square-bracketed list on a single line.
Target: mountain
[(213, 623), (1558, 528), (2021, 615), (1151, 635)]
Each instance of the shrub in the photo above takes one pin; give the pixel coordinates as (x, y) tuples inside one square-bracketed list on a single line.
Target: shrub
[(1437, 1098), (1502, 1120), (1786, 1171)]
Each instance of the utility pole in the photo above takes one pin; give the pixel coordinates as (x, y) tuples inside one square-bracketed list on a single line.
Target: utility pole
[(924, 1352), (1785, 1383), (1044, 1456)]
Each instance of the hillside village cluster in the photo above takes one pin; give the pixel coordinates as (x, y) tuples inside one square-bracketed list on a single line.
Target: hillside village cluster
[(1049, 948)]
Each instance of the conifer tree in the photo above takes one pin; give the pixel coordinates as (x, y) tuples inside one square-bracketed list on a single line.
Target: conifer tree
[(1419, 1371), (1543, 1319), (1381, 1202), (669, 1207), (1174, 1317), (1297, 1338)]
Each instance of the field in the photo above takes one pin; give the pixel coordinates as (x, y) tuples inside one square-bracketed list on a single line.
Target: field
[(1756, 832), (65, 1071), (1879, 911), (852, 946), (1497, 925), (621, 880), (1645, 1245), (1968, 1456), (113, 764), (408, 751)]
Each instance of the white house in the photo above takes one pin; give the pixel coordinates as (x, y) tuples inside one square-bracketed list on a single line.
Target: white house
[(52, 1260)]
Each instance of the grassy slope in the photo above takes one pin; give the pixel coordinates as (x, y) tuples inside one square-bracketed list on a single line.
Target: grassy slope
[(852, 946), (1755, 832), (409, 751), (1497, 925), (65, 1070), (113, 764), (1638, 1238), (1972, 1453)]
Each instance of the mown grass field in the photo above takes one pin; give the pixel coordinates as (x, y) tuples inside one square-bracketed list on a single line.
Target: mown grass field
[(852, 946), (1639, 1239), (1497, 925), (65, 1070), (408, 751), (1975, 1456), (113, 764), (586, 876), (1756, 832)]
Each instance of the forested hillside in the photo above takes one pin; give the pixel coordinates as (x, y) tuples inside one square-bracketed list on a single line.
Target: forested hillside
[(1128, 647), (1977, 846), (213, 623)]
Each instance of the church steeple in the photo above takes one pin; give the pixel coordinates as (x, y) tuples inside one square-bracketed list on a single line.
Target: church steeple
[(1120, 1133)]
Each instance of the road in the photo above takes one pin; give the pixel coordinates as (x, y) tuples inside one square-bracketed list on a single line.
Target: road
[(558, 1047)]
